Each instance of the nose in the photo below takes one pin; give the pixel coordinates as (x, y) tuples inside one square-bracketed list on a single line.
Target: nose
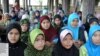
[(69, 42), (13, 35), (40, 42), (45, 24)]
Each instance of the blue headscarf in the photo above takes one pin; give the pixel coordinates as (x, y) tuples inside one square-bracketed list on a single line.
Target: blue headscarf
[(93, 50), (75, 30)]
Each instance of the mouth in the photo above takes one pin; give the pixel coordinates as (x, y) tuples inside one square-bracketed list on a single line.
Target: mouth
[(13, 40), (68, 45)]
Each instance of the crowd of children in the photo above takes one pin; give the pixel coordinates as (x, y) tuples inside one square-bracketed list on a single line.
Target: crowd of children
[(29, 33)]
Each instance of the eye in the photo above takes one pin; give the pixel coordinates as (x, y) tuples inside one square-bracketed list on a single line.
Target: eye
[(43, 38), (95, 35), (43, 22), (11, 33), (65, 39), (17, 33), (36, 40)]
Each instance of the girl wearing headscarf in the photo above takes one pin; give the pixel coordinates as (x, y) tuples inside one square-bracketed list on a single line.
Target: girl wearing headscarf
[(36, 45), (25, 30), (65, 45), (78, 32), (49, 32), (50, 15), (63, 16), (93, 21), (16, 47), (86, 25), (37, 15), (36, 18), (92, 46), (57, 24)]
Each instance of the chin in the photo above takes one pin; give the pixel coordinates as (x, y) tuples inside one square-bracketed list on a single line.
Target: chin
[(40, 49), (68, 47), (13, 42), (46, 28)]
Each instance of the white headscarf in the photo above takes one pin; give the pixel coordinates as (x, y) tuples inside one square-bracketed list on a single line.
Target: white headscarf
[(64, 33)]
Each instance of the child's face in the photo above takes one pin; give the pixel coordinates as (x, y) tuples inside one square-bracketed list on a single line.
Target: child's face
[(57, 21), (61, 14), (74, 23), (24, 27), (50, 15), (93, 23), (96, 38), (37, 13), (45, 24), (13, 36), (39, 42), (67, 42)]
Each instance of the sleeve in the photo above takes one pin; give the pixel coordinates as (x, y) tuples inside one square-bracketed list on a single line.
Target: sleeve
[(83, 51), (86, 35), (27, 52), (82, 35)]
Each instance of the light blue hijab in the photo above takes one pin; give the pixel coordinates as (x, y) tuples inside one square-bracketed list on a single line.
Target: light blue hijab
[(93, 50), (75, 30)]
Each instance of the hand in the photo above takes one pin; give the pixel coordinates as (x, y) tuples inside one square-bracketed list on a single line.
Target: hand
[(48, 43), (78, 43)]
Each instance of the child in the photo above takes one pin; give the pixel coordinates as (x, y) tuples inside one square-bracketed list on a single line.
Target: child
[(16, 47), (49, 32), (37, 15), (25, 30), (92, 46), (78, 32), (65, 45), (50, 16), (57, 23), (36, 45), (86, 25), (93, 21), (63, 16)]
